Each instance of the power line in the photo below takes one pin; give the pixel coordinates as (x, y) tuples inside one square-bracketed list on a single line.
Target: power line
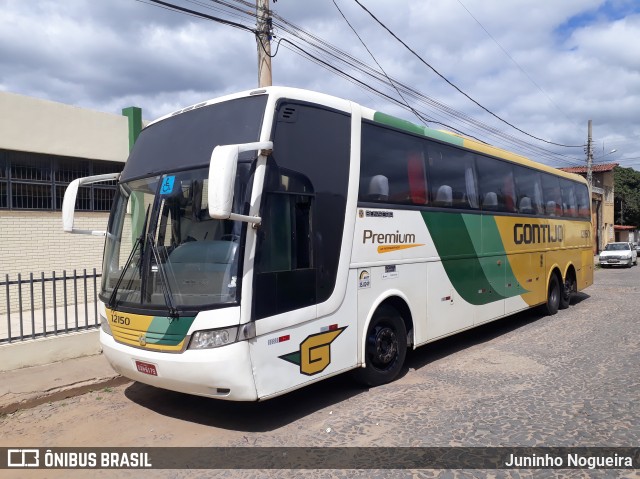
[(195, 13), (515, 62), (332, 54), (324, 48), (456, 87), (334, 69), (420, 117)]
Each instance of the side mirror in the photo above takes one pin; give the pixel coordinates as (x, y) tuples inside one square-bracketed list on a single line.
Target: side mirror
[(222, 177), (69, 202)]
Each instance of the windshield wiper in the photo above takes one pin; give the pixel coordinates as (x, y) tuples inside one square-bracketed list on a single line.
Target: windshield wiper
[(141, 243), (137, 244), (164, 280)]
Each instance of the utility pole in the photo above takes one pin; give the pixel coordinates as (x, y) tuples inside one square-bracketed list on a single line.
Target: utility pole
[(589, 158), (263, 40)]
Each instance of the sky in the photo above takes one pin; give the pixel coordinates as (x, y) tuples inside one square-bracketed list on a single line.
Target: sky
[(545, 67)]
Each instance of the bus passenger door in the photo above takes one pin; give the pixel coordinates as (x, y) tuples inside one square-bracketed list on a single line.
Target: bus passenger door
[(299, 255)]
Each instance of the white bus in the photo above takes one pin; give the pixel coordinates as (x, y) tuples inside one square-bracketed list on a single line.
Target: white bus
[(267, 240)]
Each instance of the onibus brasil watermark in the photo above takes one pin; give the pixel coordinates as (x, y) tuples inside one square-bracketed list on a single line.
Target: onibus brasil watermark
[(340, 458)]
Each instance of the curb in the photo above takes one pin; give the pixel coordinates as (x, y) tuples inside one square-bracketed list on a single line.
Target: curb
[(59, 393)]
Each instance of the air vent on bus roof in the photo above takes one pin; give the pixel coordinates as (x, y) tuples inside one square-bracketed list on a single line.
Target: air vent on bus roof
[(288, 114)]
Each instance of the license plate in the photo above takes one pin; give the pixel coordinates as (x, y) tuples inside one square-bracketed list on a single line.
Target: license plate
[(146, 368), (613, 261)]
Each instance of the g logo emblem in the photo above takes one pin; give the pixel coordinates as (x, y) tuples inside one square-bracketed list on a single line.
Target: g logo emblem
[(315, 352)]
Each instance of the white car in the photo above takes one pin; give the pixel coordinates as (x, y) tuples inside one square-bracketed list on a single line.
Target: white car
[(618, 254)]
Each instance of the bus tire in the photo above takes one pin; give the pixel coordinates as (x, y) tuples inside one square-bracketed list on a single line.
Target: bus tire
[(385, 348), (568, 288), (553, 295)]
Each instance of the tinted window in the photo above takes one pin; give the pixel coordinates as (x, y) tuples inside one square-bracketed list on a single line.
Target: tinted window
[(400, 168), (552, 195), (497, 189), (303, 209), (582, 199), (529, 187), (569, 202), (452, 177), (187, 140), (393, 167)]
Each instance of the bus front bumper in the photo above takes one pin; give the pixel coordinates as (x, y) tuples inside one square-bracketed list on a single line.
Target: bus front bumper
[(222, 373)]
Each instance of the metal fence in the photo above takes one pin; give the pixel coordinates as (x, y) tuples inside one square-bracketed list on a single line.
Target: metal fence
[(42, 306)]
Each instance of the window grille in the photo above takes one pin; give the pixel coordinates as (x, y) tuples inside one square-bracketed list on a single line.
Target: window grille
[(36, 181)]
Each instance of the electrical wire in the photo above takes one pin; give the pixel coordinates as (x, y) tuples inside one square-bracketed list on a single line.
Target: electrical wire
[(514, 61), (456, 87), (326, 56), (195, 13), (312, 40), (420, 117)]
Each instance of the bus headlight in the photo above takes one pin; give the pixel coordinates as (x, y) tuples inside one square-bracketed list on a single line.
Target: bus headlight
[(104, 324), (213, 338)]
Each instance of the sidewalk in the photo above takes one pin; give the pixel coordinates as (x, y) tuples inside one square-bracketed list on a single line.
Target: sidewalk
[(62, 319), (32, 386)]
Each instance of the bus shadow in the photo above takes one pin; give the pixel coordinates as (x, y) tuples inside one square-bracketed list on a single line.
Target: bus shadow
[(280, 411), (478, 335), (250, 416)]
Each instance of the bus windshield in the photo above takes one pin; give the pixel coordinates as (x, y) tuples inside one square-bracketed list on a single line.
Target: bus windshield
[(163, 251)]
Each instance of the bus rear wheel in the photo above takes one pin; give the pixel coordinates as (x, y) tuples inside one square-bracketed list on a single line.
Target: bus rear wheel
[(553, 295), (568, 288), (385, 348)]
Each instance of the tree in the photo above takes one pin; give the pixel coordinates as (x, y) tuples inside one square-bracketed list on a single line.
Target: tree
[(627, 196)]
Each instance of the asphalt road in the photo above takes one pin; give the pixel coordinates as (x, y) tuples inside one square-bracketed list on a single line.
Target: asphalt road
[(527, 380)]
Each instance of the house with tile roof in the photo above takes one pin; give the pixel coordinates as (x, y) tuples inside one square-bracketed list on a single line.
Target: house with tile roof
[(602, 215)]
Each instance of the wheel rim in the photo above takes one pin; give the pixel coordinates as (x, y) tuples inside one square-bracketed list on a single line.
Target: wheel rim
[(383, 347)]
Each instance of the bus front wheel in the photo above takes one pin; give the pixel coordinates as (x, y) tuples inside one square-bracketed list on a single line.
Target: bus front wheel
[(553, 295), (385, 348)]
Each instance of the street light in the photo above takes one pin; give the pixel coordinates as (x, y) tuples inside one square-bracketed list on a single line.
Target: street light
[(605, 154)]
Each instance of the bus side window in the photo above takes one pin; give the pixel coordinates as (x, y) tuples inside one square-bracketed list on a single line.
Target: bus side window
[(451, 182), (582, 198), (285, 278), (286, 232), (391, 167), (552, 195), (529, 191), (497, 187), (569, 198)]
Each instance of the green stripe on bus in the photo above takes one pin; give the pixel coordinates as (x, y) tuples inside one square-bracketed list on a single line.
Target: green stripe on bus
[(502, 278), (459, 257), (460, 240), (168, 331), (398, 123), (405, 125)]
